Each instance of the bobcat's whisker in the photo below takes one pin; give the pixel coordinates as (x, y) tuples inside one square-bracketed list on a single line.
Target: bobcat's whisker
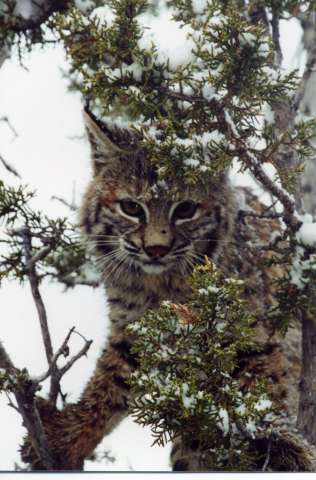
[(195, 258), (109, 254), (189, 263), (211, 240), (120, 257), (104, 242), (104, 235), (103, 260)]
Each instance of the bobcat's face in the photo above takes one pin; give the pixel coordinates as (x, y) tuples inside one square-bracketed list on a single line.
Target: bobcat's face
[(135, 224)]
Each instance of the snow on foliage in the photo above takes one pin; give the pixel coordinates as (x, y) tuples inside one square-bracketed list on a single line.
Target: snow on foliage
[(304, 264), (104, 14), (178, 51), (307, 231), (199, 6), (25, 8), (84, 5), (198, 397)]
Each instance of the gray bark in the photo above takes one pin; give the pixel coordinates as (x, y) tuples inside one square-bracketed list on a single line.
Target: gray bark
[(308, 107), (306, 421)]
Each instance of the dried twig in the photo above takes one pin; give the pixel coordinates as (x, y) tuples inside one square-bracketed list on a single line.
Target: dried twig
[(7, 121), (59, 352), (59, 372), (9, 167), (76, 357), (11, 404), (71, 205)]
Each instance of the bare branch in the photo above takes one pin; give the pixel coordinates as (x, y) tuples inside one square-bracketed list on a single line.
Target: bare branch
[(57, 373), (40, 255), (59, 352), (55, 382), (11, 404), (5, 51), (34, 282), (9, 167), (76, 357), (5, 360), (25, 397), (309, 69), (33, 424), (306, 419), (289, 213), (71, 205), (7, 121), (276, 35)]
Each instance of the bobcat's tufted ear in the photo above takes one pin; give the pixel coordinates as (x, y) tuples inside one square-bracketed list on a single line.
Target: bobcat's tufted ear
[(103, 149)]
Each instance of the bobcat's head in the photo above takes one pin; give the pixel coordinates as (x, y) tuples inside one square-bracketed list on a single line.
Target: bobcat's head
[(134, 222)]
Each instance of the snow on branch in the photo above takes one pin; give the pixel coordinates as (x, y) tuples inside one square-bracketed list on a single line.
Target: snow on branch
[(28, 14)]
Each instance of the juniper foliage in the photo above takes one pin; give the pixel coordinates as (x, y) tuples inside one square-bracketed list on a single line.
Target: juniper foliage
[(185, 385), (62, 255), (195, 112)]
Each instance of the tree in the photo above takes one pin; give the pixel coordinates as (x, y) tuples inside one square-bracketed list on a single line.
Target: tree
[(221, 95)]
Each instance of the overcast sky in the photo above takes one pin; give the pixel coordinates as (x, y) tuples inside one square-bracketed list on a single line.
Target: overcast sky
[(46, 116)]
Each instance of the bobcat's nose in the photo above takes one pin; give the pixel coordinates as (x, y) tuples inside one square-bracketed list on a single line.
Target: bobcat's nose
[(157, 251)]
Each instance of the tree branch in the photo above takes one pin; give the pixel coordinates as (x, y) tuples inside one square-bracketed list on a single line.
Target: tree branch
[(60, 351), (71, 206), (60, 372), (7, 121), (309, 69), (9, 167), (306, 420), (24, 393), (276, 35), (34, 282), (76, 357), (33, 424), (45, 8), (63, 350), (5, 360)]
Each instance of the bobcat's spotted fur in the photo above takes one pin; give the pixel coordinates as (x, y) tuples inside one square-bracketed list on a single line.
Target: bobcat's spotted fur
[(146, 238)]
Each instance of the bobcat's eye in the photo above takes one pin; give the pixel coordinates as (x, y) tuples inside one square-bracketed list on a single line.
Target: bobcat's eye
[(185, 209), (131, 208)]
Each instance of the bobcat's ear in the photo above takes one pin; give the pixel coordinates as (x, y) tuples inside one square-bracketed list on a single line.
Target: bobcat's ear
[(103, 149)]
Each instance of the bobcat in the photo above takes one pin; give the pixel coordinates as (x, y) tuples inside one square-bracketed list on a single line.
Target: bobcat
[(147, 237)]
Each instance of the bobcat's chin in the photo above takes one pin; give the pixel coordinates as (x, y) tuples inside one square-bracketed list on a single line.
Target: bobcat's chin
[(154, 268)]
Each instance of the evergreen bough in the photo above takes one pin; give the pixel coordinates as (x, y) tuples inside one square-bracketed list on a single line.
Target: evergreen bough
[(186, 383)]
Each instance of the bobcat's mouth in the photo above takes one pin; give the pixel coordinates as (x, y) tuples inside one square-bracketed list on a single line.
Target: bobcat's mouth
[(154, 267)]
